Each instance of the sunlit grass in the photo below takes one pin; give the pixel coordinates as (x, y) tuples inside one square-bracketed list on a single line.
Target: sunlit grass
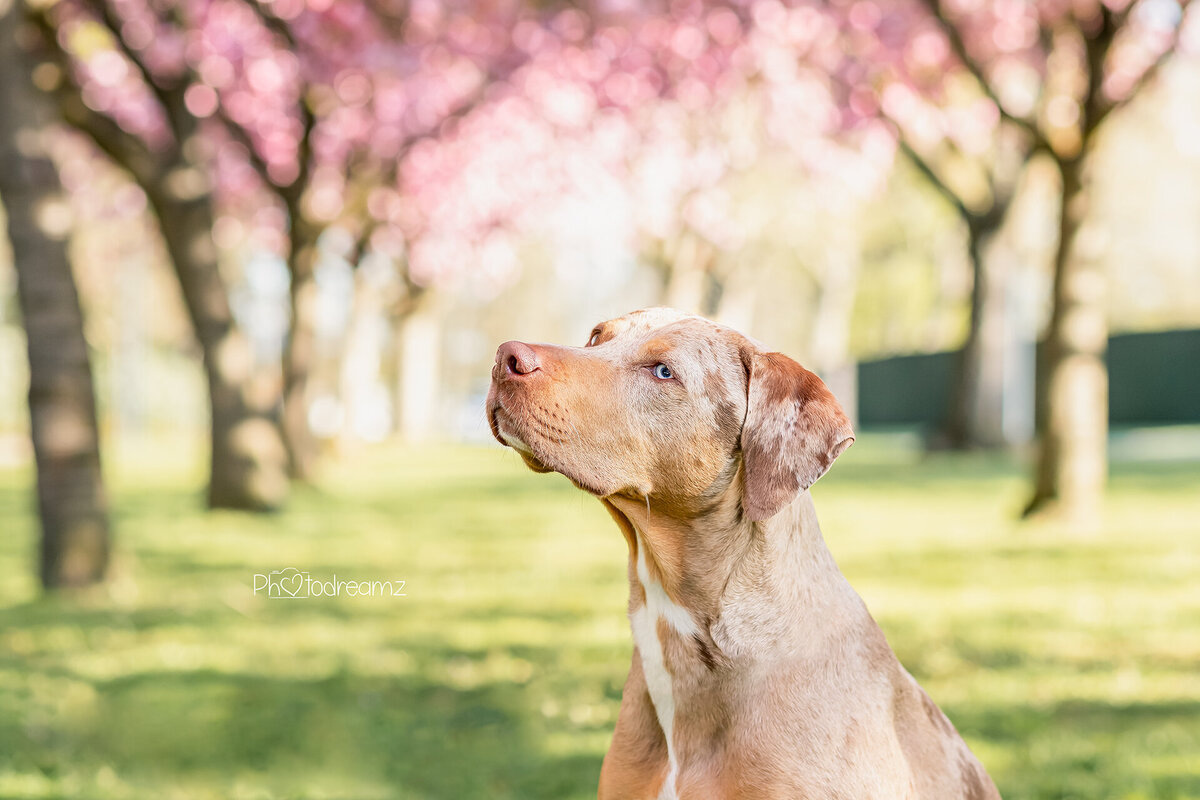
[(1069, 661)]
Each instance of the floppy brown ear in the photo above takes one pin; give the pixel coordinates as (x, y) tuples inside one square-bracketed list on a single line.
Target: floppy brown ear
[(794, 429)]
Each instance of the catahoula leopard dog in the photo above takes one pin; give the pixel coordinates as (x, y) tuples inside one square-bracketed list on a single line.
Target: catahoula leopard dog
[(757, 671)]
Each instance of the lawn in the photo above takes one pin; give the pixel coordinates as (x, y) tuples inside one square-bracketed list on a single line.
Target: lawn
[(1070, 662)]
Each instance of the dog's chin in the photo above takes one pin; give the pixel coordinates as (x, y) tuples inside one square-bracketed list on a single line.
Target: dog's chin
[(537, 464), (522, 447), (502, 429), (505, 429), (532, 461)]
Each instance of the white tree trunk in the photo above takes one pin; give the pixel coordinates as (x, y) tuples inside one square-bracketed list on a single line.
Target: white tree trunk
[(420, 342)]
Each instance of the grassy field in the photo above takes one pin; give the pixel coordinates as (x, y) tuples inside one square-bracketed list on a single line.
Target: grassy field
[(1070, 662)]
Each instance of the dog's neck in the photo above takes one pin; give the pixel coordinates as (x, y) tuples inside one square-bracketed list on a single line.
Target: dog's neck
[(749, 587), (714, 598)]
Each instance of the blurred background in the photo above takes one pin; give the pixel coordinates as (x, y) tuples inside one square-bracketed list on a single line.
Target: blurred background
[(260, 255)]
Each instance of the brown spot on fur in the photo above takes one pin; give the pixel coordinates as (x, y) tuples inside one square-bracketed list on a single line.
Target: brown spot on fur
[(637, 597), (657, 346), (705, 654), (714, 385), (727, 419), (601, 335), (624, 525), (939, 719), (973, 786), (636, 763), (794, 430), (675, 649), (728, 422)]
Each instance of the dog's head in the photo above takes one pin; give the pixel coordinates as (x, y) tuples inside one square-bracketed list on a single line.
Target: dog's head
[(666, 405)]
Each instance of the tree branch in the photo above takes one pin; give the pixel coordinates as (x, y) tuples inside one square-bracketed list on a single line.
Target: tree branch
[(277, 26), (171, 99), (1096, 48), (242, 137), (304, 149), (959, 47), (1151, 72), (935, 180), (291, 193), (388, 172), (461, 111), (123, 147)]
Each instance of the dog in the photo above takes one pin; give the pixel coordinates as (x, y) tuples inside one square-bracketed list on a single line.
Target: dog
[(757, 671)]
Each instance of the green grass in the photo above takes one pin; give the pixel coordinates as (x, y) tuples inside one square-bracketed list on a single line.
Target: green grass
[(1070, 662)]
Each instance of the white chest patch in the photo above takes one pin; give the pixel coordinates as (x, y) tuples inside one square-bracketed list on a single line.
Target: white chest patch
[(644, 622)]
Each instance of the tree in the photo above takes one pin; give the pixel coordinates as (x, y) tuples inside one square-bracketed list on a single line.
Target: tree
[(974, 157), (66, 444), (322, 103), (974, 412), (347, 135), (1054, 73), (151, 133)]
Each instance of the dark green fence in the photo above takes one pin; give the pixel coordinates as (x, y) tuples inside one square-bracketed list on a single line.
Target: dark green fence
[(1153, 378)]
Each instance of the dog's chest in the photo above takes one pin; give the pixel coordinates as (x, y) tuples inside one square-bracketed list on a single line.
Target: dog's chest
[(658, 611)]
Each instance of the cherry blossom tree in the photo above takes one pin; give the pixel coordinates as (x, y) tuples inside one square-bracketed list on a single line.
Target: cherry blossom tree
[(322, 102), (360, 84), (982, 87), (676, 109), (432, 131), (66, 442), (118, 81)]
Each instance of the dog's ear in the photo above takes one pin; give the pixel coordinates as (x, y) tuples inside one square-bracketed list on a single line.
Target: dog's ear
[(794, 430)]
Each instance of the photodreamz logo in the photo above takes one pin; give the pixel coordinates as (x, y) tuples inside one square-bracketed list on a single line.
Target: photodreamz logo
[(292, 584)]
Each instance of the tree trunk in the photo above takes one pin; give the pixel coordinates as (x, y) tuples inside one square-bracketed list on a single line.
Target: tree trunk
[(832, 316), (974, 418), (361, 387), (688, 286), (66, 446), (419, 354), (299, 349), (248, 459), (735, 305), (975, 414), (1072, 378)]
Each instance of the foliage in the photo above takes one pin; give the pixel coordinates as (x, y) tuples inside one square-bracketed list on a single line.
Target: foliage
[(1067, 663)]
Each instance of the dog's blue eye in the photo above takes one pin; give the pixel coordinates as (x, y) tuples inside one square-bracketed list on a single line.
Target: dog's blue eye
[(663, 372)]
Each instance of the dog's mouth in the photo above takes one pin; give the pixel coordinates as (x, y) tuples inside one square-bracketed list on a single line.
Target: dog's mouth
[(508, 433)]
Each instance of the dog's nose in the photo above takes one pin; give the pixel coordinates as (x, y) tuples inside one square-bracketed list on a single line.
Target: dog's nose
[(516, 359)]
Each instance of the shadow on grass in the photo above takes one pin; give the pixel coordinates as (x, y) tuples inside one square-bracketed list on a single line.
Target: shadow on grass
[(443, 721), (424, 739), (1086, 749), (412, 733)]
